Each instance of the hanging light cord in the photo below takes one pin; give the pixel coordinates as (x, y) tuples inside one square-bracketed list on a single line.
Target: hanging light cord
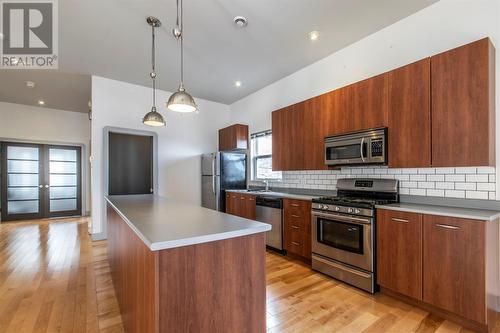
[(180, 26), (153, 60)]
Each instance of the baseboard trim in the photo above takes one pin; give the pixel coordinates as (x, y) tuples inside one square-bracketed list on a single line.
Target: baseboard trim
[(98, 236)]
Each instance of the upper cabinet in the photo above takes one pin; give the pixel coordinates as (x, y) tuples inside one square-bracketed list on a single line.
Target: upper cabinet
[(233, 137), (370, 103), (463, 98), (409, 133), (288, 138), (439, 112)]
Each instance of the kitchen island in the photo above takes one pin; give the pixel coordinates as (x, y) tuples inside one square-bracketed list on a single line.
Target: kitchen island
[(178, 267)]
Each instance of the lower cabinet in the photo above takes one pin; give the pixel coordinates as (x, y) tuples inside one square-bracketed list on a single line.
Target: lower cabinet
[(399, 252), (297, 227), (454, 265), (241, 204), (445, 264)]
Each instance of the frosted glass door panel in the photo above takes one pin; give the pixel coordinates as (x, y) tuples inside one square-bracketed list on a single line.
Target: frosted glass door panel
[(62, 205), (63, 175), (23, 180)]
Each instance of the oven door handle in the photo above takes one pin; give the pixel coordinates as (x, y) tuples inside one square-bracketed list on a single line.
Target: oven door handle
[(353, 220), (361, 153)]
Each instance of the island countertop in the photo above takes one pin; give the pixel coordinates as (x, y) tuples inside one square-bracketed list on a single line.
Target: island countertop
[(163, 223)]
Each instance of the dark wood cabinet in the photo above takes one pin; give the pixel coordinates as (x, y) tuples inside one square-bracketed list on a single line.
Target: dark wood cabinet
[(399, 252), (288, 138), (234, 137), (297, 227), (463, 103), (370, 103), (454, 266), (241, 204), (409, 125)]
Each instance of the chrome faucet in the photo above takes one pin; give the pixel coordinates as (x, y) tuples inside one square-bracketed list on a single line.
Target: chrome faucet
[(266, 182)]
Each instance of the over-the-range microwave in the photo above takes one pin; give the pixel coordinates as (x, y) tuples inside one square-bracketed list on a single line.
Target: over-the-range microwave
[(357, 148)]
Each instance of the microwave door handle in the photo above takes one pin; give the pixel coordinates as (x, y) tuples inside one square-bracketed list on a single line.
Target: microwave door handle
[(361, 149)]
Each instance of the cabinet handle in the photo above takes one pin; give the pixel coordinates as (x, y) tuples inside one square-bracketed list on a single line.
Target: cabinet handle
[(400, 220), (295, 216), (242, 198), (295, 227), (296, 243), (445, 226), (294, 205), (251, 199)]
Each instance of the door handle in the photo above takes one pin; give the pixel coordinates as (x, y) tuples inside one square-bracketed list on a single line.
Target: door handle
[(213, 176), (446, 226), (400, 220)]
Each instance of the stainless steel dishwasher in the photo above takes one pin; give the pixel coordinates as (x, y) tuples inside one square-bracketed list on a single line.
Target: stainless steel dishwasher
[(269, 210)]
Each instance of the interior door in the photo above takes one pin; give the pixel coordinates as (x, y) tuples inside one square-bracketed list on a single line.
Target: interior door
[(22, 176), (40, 181), (62, 188)]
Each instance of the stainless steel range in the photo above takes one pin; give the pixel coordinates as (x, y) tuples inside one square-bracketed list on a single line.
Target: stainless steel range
[(343, 230)]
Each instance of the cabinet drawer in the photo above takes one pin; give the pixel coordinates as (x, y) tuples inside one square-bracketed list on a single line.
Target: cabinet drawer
[(297, 231)]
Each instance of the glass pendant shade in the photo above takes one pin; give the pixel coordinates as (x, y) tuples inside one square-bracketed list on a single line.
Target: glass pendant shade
[(153, 118), (181, 101)]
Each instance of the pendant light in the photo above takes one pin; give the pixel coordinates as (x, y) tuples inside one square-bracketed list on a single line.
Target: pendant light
[(181, 101), (153, 117)]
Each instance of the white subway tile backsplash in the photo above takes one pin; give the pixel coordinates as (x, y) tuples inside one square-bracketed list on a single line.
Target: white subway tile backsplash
[(417, 191), (445, 186), (477, 195), (418, 177), (463, 182), (478, 178), (465, 170), (435, 193), (465, 186), (455, 178), (486, 186), (425, 185), (489, 170), (454, 194)]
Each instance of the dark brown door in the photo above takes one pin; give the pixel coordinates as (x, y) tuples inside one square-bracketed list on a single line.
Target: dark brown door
[(454, 265), (40, 181), (399, 252), (463, 101), (409, 131), (130, 164), (370, 103), (250, 207)]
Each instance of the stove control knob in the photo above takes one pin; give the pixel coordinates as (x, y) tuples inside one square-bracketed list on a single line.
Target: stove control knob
[(350, 210), (337, 208), (320, 206), (326, 207), (357, 211)]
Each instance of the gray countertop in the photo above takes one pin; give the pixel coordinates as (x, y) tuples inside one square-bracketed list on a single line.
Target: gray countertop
[(163, 223), (278, 194), (466, 213)]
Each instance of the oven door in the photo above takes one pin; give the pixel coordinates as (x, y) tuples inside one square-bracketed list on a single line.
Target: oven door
[(343, 238), (344, 152)]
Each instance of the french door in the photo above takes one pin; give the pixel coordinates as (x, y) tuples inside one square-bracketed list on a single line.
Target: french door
[(40, 181)]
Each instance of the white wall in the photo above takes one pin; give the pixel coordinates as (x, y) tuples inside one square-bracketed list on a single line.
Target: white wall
[(180, 142), (44, 125), (442, 26)]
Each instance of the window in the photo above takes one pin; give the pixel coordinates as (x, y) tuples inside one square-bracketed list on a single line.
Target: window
[(261, 154)]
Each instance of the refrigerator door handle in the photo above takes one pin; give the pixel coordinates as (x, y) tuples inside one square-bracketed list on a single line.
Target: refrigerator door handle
[(213, 175)]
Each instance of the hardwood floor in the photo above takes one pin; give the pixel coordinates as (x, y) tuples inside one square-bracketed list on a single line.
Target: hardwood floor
[(54, 279)]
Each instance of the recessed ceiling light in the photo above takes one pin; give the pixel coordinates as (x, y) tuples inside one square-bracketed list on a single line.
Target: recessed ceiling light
[(314, 35), (240, 21), (1, 36), (41, 102), (30, 84), (237, 83)]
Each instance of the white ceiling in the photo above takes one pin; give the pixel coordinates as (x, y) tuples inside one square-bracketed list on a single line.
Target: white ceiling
[(111, 39)]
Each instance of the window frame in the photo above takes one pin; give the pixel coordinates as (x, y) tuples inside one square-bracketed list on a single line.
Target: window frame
[(255, 157)]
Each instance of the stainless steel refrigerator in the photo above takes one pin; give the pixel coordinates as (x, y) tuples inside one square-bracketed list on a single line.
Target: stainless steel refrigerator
[(221, 171)]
